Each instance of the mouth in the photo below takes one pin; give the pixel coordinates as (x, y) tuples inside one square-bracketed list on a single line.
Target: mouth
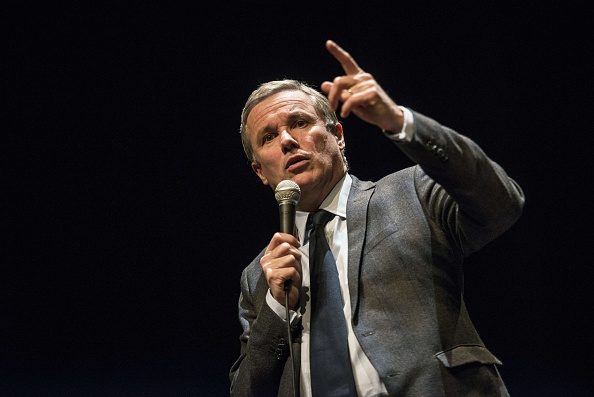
[(295, 162)]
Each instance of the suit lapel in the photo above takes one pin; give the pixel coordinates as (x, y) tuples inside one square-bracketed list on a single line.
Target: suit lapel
[(357, 205)]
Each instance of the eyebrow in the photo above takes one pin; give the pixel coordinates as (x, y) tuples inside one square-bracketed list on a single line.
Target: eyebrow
[(300, 114), (291, 117)]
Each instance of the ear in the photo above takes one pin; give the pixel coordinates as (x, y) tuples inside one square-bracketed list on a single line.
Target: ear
[(258, 170), (339, 133)]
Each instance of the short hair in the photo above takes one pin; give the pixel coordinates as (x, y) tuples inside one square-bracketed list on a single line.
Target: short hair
[(265, 90)]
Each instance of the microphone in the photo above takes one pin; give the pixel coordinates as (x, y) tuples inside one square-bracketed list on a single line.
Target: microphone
[(287, 194)]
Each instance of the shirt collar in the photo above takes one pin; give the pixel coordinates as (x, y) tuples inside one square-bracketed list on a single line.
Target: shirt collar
[(335, 202)]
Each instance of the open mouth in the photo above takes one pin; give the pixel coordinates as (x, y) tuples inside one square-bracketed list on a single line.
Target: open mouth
[(295, 162)]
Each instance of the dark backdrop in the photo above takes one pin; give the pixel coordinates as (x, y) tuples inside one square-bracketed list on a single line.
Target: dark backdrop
[(129, 210)]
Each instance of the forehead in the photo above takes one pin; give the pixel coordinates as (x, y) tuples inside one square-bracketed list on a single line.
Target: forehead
[(279, 105)]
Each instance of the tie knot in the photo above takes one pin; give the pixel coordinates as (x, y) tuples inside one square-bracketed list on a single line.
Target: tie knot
[(316, 221), (321, 217)]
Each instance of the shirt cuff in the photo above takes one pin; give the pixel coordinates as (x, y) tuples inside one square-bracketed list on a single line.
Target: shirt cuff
[(406, 134), (280, 309)]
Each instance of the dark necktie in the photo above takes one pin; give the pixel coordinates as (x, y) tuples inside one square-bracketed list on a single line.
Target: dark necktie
[(331, 373)]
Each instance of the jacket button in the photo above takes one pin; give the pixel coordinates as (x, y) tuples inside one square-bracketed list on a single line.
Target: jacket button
[(442, 155)]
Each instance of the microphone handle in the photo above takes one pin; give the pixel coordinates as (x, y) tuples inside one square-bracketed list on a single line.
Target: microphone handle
[(286, 210)]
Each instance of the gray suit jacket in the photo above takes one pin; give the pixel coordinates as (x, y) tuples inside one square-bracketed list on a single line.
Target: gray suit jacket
[(408, 234)]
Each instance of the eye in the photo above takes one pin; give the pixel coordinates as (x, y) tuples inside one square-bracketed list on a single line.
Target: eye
[(267, 138), (300, 124)]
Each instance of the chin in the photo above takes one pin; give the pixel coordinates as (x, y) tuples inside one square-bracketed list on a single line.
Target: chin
[(301, 180)]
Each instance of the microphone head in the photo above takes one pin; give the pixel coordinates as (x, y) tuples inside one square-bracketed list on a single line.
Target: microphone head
[(287, 191)]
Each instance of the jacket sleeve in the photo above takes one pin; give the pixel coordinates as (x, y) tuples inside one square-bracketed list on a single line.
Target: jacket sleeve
[(470, 196), (264, 347)]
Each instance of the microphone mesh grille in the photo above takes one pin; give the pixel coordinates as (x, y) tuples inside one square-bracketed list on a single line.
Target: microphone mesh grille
[(287, 190)]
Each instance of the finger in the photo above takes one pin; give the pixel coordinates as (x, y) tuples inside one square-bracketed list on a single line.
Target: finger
[(270, 263), (277, 282), (359, 95), (334, 94), (348, 101), (279, 276), (279, 238), (346, 60), (337, 88), (281, 270), (326, 86), (351, 101), (282, 256)]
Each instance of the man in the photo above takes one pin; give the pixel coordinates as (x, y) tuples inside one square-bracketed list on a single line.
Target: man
[(398, 245)]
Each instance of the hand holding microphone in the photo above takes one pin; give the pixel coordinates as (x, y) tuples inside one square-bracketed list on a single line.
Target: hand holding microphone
[(281, 262)]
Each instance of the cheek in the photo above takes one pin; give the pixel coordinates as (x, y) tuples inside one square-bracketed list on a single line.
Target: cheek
[(268, 158), (271, 166), (319, 143), (327, 148)]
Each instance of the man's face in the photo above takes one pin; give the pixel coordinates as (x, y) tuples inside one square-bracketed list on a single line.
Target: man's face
[(290, 141)]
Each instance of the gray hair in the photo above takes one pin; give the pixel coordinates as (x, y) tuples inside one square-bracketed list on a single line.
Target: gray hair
[(265, 90)]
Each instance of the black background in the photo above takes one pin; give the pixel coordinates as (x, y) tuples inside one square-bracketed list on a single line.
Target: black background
[(129, 210)]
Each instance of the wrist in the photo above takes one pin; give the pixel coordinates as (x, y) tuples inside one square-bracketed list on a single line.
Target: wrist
[(404, 131), (395, 123)]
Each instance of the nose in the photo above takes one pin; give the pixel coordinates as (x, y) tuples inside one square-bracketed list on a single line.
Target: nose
[(288, 142)]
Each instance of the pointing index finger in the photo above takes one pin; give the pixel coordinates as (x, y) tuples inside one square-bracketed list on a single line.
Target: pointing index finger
[(346, 61)]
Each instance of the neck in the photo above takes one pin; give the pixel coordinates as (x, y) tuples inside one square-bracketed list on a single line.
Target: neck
[(307, 206), (312, 199)]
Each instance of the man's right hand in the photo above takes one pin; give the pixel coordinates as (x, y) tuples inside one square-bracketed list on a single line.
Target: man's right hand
[(282, 263)]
